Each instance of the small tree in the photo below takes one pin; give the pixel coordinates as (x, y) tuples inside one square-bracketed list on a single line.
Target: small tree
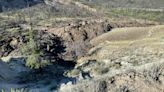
[(43, 49)]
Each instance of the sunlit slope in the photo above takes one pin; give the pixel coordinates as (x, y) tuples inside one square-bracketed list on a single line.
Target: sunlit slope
[(125, 3), (130, 34)]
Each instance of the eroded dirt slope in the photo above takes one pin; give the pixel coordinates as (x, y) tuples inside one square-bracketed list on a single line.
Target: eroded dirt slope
[(133, 65), (78, 35)]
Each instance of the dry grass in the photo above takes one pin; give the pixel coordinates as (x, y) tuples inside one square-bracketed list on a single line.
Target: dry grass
[(138, 79), (137, 45), (129, 34)]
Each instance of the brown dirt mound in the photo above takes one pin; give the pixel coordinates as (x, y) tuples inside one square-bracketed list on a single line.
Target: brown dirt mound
[(77, 35)]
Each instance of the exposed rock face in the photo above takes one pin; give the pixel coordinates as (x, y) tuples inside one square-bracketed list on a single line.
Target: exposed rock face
[(78, 35)]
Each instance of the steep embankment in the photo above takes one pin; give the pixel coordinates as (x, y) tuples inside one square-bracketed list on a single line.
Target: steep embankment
[(123, 62), (77, 36)]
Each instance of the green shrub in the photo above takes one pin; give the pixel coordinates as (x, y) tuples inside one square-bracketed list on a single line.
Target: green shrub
[(42, 49), (101, 70), (74, 72), (35, 61)]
